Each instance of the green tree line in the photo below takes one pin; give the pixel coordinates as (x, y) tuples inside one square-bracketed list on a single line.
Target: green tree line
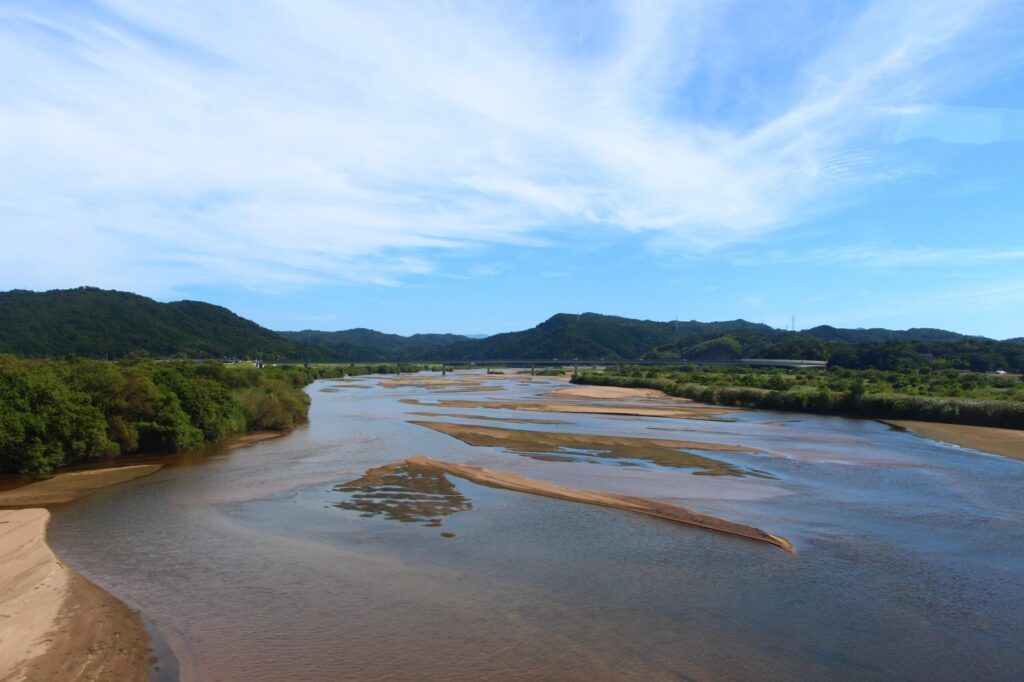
[(56, 413), (978, 355), (927, 395)]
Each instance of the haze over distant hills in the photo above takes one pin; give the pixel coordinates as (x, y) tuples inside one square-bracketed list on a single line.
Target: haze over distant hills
[(98, 323)]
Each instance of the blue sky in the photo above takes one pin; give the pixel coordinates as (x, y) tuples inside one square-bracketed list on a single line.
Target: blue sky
[(478, 167)]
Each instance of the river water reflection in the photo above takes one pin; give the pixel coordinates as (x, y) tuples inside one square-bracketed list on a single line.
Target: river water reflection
[(286, 561)]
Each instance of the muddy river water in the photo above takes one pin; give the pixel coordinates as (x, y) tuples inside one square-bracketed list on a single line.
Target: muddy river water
[(280, 561)]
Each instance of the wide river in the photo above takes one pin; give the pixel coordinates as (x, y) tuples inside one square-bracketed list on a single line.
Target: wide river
[(909, 559)]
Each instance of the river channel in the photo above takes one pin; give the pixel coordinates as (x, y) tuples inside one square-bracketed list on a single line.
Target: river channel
[(275, 562)]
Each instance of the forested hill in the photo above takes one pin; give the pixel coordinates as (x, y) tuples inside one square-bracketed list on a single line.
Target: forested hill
[(111, 324), (590, 336), (827, 333), (92, 322), (373, 346), (594, 337)]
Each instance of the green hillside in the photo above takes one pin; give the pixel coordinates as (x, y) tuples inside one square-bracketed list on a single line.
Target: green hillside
[(368, 345), (589, 335), (96, 323), (874, 335), (592, 336)]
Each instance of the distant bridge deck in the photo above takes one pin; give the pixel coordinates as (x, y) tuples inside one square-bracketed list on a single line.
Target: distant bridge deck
[(605, 362)]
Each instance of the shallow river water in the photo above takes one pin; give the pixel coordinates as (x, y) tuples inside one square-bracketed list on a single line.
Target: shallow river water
[(260, 564)]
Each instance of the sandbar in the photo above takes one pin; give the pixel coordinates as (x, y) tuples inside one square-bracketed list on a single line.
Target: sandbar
[(553, 446), (609, 392), (484, 417), (1004, 442), (55, 624), (252, 437), (692, 411), (71, 485), (428, 382), (639, 505)]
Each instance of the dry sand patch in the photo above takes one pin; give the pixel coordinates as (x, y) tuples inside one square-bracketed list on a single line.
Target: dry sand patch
[(484, 417), (55, 624), (67, 486), (428, 382), (609, 392), (1005, 442), (252, 438)]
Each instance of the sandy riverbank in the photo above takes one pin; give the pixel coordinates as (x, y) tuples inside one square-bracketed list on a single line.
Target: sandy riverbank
[(252, 438), (71, 485), (639, 505), (1005, 442), (55, 624)]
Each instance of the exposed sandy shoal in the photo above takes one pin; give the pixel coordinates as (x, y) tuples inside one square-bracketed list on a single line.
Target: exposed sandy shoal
[(432, 382), (483, 417), (1005, 442), (55, 624), (244, 440), (639, 505), (680, 412), (657, 451), (609, 392), (471, 389), (67, 486)]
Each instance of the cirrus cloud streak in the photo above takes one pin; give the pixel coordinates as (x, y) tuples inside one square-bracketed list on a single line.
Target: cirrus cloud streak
[(276, 145)]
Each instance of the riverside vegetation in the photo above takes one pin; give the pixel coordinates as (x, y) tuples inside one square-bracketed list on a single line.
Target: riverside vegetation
[(56, 413), (921, 394)]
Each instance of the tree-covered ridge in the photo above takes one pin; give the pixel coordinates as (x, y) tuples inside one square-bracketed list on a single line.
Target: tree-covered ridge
[(110, 324), (828, 333), (368, 345), (91, 322), (592, 336), (589, 335)]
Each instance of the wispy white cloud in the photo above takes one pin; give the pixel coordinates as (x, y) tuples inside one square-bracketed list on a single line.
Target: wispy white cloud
[(278, 145), (948, 307), (874, 256)]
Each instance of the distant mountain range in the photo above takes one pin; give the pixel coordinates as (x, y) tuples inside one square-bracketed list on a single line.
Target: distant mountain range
[(98, 323), (593, 336)]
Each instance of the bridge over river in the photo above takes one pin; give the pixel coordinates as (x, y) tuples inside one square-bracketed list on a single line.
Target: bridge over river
[(605, 362)]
